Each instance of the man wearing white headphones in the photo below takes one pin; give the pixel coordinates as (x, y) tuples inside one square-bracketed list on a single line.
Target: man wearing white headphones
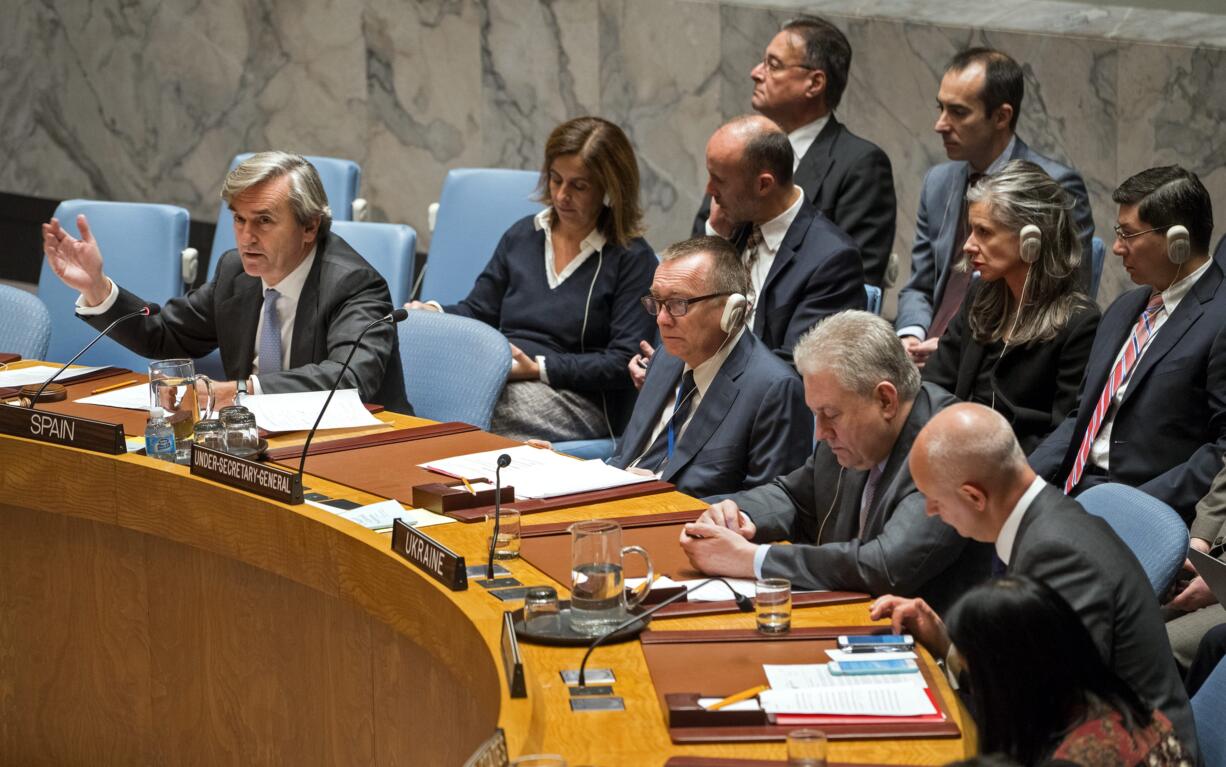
[(718, 412), (1151, 410)]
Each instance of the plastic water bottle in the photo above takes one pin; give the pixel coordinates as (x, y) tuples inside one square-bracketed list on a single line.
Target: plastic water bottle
[(159, 436)]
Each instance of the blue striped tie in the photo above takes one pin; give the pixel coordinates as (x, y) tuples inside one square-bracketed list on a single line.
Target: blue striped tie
[(270, 334)]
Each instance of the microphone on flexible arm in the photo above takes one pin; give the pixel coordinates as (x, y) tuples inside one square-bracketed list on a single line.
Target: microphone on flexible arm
[(396, 315), (504, 461), (148, 310), (743, 603)]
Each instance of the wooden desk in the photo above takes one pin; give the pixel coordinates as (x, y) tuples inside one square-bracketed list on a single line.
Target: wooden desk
[(147, 616)]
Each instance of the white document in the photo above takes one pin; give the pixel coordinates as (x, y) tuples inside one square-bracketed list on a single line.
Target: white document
[(135, 397), (537, 473), (379, 516), (871, 700), (800, 676), (36, 374), (842, 656), (745, 705), (297, 411)]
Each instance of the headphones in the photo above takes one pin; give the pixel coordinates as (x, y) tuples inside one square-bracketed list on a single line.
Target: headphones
[(1032, 243), (736, 311), (1178, 244)]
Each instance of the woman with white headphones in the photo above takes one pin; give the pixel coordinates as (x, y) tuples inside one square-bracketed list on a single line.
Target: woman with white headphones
[(1020, 342)]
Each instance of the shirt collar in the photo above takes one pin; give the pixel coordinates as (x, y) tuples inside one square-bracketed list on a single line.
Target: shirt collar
[(704, 374), (594, 241), (1175, 293), (776, 229), (803, 137), (291, 286), (1008, 531), (999, 163)]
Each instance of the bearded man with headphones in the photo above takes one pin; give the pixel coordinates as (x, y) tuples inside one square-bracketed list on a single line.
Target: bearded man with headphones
[(719, 412), (1151, 409)]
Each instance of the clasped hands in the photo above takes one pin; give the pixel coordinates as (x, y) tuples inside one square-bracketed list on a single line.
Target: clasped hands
[(718, 542)]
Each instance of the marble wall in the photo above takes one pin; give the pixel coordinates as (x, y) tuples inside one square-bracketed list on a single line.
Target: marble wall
[(149, 99)]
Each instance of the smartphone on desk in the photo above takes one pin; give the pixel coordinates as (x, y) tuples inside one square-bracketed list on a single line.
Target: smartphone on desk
[(857, 667), (877, 643)]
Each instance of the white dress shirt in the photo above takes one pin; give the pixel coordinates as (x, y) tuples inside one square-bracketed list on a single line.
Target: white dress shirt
[(773, 232), (1100, 450), (1008, 531), (803, 137)]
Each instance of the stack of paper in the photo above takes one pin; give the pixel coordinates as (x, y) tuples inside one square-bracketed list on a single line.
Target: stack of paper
[(537, 473), (36, 374), (379, 516), (812, 689), (297, 411), (134, 397)]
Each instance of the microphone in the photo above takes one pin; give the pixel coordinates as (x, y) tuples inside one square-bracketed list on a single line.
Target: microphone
[(743, 603), (396, 315), (504, 461), (147, 310)]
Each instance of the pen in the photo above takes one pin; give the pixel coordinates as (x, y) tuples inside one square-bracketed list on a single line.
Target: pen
[(470, 487), (113, 387), (740, 696)]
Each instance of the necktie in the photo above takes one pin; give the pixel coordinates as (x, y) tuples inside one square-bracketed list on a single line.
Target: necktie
[(958, 281), (270, 334), (1119, 375), (870, 495), (665, 444), (752, 245)]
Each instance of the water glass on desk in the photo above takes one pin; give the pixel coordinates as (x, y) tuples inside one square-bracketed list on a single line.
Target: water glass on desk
[(242, 436), (806, 748), (507, 546), (773, 602), (211, 434)]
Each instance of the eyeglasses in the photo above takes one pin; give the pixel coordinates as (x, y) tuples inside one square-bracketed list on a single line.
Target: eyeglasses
[(775, 66), (676, 307), (1120, 234)]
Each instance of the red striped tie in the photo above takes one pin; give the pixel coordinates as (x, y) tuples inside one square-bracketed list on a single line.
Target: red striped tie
[(1119, 375)]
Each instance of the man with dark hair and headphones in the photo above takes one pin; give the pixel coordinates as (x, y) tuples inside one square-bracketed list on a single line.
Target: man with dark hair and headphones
[(718, 412), (979, 101), (852, 512), (1151, 409)]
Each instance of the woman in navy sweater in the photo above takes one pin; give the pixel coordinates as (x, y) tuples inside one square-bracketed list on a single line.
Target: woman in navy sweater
[(564, 286)]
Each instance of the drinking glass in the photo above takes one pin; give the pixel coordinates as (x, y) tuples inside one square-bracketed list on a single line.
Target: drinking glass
[(507, 546), (242, 436), (773, 601), (598, 600), (806, 748), (211, 434)]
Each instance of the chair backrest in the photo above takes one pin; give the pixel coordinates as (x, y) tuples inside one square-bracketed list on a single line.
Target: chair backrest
[(142, 246), (1154, 532), (454, 367), (341, 179), (476, 207), (1098, 252), (389, 248), (872, 294), (25, 324), (1209, 711)]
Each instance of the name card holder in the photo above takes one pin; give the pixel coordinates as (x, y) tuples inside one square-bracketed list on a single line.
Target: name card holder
[(260, 478), (439, 562), (60, 429), (512, 661)]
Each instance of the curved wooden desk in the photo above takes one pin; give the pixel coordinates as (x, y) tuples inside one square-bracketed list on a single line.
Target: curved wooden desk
[(150, 617)]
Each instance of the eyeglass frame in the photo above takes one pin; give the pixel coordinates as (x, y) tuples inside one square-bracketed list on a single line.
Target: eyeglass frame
[(685, 303), (774, 69), (1119, 233)]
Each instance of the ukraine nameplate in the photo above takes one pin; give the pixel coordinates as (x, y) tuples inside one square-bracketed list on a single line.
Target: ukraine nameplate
[(439, 562), (262, 479), (60, 429)]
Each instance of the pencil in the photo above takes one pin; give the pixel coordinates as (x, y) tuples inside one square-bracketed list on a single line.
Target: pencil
[(470, 487), (740, 696), (113, 387)]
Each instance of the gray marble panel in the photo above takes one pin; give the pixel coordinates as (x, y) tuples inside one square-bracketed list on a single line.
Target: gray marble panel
[(659, 62)]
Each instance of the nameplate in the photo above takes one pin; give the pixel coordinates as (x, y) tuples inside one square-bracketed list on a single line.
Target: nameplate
[(512, 660), (60, 429), (260, 478), (439, 562)]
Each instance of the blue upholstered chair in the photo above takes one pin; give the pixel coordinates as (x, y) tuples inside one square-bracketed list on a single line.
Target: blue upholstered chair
[(1151, 529), (1209, 711), (341, 179), (476, 207), (1098, 252), (587, 448), (389, 248), (454, 367), (25, 324), (142, 245), (872, 295)]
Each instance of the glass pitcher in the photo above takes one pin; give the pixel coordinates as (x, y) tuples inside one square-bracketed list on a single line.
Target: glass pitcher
[(598, 600), (173, 387)]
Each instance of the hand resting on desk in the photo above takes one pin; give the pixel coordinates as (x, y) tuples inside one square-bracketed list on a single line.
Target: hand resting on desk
[(718, 543)]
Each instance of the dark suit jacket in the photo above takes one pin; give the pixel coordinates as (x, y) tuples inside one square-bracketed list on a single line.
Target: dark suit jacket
[(1035, 385), (936, 227), (751, 426), (903, 550), (1169, 432), (1210, 522), (341, 295), (1079, 556), (850, 181), (816, 273)]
